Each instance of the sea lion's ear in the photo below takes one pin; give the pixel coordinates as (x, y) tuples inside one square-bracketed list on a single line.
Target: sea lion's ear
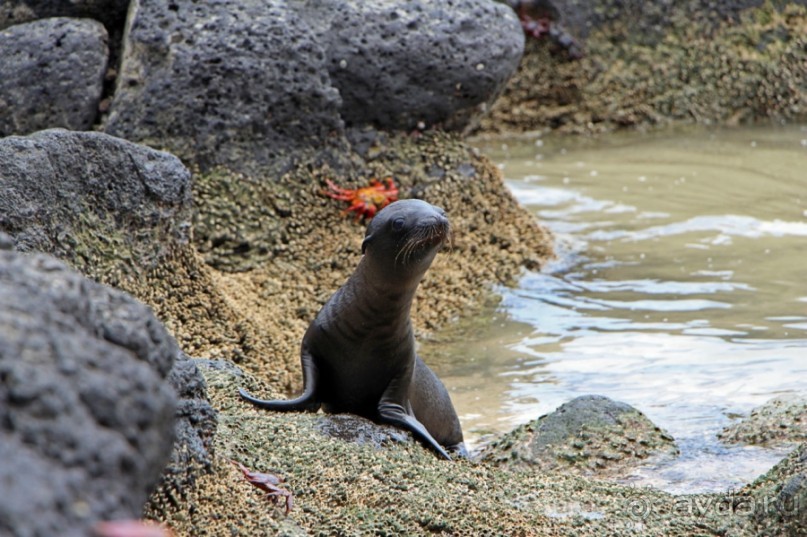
[(366, 241)]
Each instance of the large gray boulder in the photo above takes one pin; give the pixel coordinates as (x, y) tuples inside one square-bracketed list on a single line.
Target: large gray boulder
[(52, 74), (223, 82), (105, 205), (401, 64), (246, 83), (86, 413)]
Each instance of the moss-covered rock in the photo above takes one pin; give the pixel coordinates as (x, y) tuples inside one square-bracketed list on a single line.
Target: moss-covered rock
[(776, 503), (110, 208), (590, 434), (279, 247), (780, 420)]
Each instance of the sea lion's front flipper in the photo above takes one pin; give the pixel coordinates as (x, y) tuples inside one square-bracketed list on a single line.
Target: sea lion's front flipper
[(393, 407), (308, 401), (395, 414)]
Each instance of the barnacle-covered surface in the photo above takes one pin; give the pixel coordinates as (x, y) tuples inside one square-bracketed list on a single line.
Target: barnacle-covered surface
[(680, 67)]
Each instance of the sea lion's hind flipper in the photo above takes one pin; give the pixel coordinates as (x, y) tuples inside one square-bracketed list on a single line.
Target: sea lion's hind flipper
[(302, 403), (395, 414), (308, 401)]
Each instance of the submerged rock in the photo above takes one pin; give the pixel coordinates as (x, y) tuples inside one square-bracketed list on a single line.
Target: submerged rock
[(52, 74), (588, 435), (86, 414), (780, 420)]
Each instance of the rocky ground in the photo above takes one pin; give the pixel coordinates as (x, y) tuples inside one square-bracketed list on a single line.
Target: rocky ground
[(228, 238)]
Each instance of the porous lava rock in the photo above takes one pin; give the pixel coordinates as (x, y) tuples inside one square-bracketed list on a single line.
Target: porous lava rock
[(86, 414), (112, 13), (52, 74), (251, 84), (107, 206), (400, 65), (223, 82), (194, 430)]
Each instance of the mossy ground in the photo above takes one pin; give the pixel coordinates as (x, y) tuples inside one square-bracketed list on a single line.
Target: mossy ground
[(341, 488), (744, 72)]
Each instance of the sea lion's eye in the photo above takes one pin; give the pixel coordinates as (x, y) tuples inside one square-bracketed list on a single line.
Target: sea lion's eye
[(398, 224)]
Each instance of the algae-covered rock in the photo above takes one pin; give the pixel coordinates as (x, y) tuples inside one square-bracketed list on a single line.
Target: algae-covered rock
[(402, 488), (108, 207), (587, 435), (658, 63), (281, 247), (86, 413), (52, 74), (776, 503), (780, 420)]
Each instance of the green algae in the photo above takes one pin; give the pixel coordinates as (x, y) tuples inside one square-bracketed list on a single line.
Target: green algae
[(694, 71)]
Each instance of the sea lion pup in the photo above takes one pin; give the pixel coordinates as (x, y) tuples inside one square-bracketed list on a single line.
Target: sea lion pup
[(358, 354)]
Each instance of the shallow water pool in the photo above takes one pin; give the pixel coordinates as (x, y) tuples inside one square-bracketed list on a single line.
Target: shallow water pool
[(680, 288)]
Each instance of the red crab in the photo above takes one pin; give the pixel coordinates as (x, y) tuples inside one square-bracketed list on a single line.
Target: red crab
[(365, 201), (539, 19), (269, 483)]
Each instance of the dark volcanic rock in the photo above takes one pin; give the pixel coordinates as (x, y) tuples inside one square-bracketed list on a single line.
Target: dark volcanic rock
[(588, 434), (52, 75), (103, 204), (246, 83), (223, 82), (86, 415), (400, 64), (195, 428), (110, 12)]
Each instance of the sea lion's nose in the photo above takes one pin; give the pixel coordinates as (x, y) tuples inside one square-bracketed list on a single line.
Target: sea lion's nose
[(440, 220)]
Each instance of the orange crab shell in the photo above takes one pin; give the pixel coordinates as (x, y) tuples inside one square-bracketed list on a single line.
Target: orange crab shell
[(365, 201)]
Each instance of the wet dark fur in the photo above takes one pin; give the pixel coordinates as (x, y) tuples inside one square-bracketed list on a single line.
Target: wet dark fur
[(358, 355)]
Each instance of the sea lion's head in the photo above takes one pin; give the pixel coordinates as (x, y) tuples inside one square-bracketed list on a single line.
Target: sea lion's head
[(405, 236)]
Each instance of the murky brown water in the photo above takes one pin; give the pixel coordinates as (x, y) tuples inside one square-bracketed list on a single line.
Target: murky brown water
[(681, 288)]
